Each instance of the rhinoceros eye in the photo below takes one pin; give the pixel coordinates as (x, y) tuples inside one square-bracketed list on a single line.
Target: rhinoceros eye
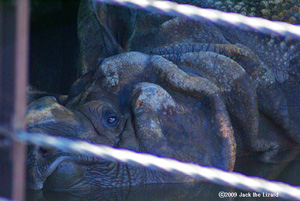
[(111, 119)]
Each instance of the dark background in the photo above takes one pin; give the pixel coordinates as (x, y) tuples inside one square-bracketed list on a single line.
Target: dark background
[(54, 47)]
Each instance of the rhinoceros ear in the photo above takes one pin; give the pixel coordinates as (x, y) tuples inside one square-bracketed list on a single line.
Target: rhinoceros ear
[(80, 85), (34, 94), (103, 31)]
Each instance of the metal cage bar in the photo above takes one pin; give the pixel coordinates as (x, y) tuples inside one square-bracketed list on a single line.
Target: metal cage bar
[(14, 22)]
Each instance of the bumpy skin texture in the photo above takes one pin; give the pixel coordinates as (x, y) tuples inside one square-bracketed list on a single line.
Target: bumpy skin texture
[(172, 87)]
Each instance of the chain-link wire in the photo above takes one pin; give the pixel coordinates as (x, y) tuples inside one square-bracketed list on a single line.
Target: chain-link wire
[(210, 174), (219, 17)]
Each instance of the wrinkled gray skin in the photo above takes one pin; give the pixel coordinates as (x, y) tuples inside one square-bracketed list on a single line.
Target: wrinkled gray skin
[(171, 87)]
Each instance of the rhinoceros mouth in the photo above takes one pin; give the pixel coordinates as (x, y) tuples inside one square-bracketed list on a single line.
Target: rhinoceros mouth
[(52, 169)]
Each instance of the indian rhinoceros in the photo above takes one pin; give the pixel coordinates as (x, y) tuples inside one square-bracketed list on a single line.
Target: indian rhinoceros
[(173, 87)]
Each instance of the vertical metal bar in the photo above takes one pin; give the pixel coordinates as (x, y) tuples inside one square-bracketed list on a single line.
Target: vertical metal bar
[(21, 65), (14, 20), (7, 44)]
